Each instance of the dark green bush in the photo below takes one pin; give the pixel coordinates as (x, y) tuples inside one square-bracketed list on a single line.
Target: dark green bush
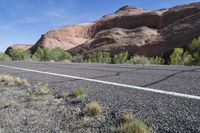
[(100, 57), (57, 54), (20, 54), (120, 58)]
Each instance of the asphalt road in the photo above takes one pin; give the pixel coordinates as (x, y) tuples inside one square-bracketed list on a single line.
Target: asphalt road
[(115, 87)]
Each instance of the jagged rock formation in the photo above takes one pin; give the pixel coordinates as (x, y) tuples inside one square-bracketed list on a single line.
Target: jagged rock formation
[(18, 46), (131, 29)]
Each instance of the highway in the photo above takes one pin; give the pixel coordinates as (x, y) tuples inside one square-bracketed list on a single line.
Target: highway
[(166, 97)]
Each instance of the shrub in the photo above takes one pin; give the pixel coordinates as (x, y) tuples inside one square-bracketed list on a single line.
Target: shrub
[(139, 60), (100, 57), (132, 125), (42, 88), (64, 94), (13, 81), (187, 59), (120, 58), (194, 51), (127, 118), (78, 59), (80, 93), (20, 54), (4, 57), (93, 108), (136, 126), (156, 60), (42, 54), (57, 54), (178, 57)]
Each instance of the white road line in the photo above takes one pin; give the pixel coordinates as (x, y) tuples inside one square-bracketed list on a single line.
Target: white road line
[(109, 83)]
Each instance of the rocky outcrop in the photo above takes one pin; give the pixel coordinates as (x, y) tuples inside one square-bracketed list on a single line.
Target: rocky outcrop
[(144, 32), (131, 29), (116, 40), (18, 46), (66, 37)]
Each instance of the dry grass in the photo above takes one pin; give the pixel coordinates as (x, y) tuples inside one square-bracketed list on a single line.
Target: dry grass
[(93, 108), (132, 125), (127, 118), (64, 94), (42, 88), (13, 81)]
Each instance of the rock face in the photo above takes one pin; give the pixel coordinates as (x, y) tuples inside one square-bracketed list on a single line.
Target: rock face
[(144, 32), (131, 29), (67, 37), (18, 46)]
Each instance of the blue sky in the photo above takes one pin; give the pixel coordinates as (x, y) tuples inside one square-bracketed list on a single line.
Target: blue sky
[(23, 21)]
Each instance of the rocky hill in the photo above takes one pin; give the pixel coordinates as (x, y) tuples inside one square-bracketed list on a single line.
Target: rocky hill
[(131, 29)]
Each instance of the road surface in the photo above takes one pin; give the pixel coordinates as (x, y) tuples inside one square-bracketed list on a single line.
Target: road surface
[(167, 97)]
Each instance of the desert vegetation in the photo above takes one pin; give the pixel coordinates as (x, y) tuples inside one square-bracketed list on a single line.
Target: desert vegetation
[(121, 58), (57, 54), (27, 107), (20, 54), (13, 81), (130, 124), (4, 57), (94, 108), (99, 57), (179, 56), (187, 56), (80, 93)]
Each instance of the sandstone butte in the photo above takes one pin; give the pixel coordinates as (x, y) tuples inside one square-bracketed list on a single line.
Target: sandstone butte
[(131, 29)]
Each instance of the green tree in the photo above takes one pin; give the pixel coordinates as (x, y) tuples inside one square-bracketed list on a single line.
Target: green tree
[(194, 51), (178, 57)]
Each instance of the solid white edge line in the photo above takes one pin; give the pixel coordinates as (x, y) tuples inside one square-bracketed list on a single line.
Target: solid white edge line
[(109, 83)]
